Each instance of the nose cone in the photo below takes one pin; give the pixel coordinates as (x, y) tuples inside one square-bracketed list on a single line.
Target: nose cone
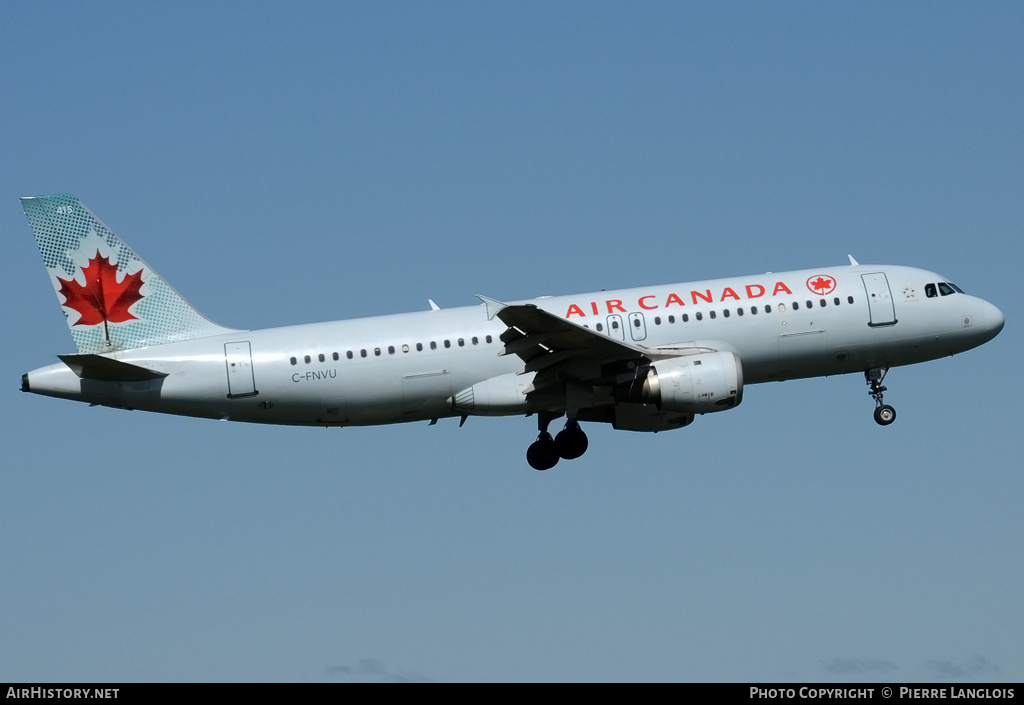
[(993, 320)]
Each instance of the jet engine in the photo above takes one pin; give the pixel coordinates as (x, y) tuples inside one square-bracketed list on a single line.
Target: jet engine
[(699, 384)]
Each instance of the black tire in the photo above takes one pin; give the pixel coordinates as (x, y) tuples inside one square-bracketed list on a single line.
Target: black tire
[(542, 454), (885, 415), (571, 443)]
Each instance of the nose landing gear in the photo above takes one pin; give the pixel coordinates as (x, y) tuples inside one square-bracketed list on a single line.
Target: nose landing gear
[(570, 443), (884, 414)]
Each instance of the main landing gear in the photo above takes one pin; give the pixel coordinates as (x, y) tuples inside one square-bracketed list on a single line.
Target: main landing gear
[(570, 443), (884, 414)]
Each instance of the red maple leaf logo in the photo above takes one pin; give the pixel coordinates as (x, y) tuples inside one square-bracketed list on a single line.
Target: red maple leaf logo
[(102, 299), (824, 284)]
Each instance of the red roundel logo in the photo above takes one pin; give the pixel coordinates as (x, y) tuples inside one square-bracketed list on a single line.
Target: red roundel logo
[(821, 284)]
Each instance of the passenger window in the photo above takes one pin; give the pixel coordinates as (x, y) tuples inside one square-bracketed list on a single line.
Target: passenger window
[(768, 308), (753, 310), (376, 351), (433, 345), (391, 350), (335, 356), (349, 355), (599, 328), (725, 313), (362, 353), (698, 315), (308, 359), (476, 341), (447, 343), (685, 318), (321, 357), (796, 305), (836, 301), (739, 311), (461, 342), (712, 314), (672, 319), (488, 339), (294, 361), (419, 347), (405, 347), (849, 299), (657, 320)]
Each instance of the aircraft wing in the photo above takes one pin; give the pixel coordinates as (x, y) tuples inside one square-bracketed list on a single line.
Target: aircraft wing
[(543, 339), (536, 335), (560, 351)]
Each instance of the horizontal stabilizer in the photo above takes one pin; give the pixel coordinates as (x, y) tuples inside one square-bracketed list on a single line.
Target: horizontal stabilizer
[(106, 369)]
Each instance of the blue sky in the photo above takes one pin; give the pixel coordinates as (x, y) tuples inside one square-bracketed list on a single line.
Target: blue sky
[(283, 163)]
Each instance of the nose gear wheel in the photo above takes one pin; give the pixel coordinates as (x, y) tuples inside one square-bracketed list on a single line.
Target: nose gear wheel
[(884, 414)]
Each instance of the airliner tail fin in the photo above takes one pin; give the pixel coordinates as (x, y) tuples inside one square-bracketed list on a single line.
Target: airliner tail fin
[(111, 298)]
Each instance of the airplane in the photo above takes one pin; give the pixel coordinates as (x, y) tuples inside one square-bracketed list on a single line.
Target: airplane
[(643, 359)]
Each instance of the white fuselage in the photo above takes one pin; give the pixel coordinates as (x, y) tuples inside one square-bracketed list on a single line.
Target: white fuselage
[(407, 367)]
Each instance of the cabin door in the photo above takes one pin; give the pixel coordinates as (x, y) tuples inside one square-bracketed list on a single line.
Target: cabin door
[(879, 299), (238, 359)]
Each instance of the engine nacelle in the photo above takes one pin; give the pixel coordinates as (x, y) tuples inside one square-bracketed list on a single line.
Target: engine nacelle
[(701, 384)]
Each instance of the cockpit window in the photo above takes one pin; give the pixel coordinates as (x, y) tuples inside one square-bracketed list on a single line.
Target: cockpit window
[(956, 288), (945, 289), (929, 291)]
